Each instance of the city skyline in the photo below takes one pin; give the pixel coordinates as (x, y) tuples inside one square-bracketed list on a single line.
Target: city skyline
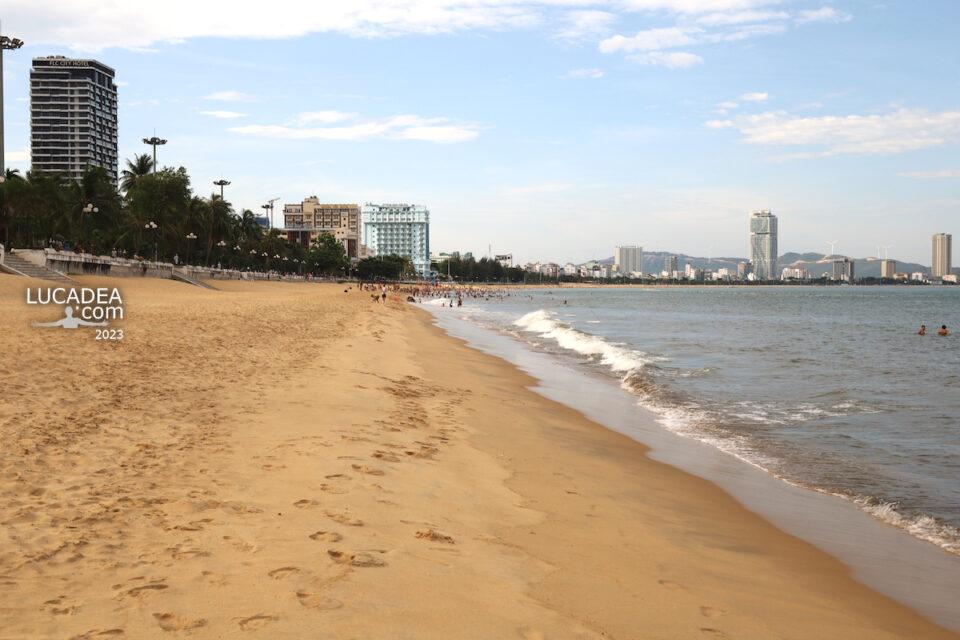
[(519, 122)]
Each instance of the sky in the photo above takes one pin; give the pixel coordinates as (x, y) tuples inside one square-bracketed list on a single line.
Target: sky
[(551, 130)]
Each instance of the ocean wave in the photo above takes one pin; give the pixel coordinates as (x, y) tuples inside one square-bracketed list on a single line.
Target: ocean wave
[(618, 358)]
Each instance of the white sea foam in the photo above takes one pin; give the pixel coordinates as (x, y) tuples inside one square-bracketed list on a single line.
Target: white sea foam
[(618, 358)]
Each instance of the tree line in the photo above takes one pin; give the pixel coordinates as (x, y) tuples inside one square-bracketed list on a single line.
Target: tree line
[(150, 215)]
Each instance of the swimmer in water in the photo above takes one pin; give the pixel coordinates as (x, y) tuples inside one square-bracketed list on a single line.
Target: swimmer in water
[(943, 331), (923, 330)]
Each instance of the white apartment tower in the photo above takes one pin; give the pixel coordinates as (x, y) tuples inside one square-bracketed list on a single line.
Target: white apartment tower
[(629, 258), (763, 244), (942, 263), (401, 229)]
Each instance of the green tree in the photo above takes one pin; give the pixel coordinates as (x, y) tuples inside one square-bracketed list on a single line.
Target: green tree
[(141, 165), (327, 255)]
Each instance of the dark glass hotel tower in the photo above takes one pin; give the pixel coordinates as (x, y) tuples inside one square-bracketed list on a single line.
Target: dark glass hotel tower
[(73, 116)]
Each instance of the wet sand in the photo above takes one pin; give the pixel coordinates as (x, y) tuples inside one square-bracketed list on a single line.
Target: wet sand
[(292, 461)]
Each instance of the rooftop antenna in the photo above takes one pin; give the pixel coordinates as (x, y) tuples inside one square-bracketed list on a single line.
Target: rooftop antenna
[(833, 247)]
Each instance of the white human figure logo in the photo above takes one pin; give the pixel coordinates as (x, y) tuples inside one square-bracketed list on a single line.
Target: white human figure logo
[(70, 322)]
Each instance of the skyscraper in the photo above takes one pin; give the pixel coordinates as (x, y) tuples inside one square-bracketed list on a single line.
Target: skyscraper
[(670, 265), (73, 116), (942, 263), (629, 259), (763, 244), (402, 229)]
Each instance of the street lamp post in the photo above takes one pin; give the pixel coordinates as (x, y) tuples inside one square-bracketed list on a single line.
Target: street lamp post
[(221, 183), (87, 208), (190, 238), (6, 44), (153, 226), (154, 142), (220, 244)]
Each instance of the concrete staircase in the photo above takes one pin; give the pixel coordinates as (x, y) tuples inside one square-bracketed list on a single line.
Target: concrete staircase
[(183, 276), (20, 267)]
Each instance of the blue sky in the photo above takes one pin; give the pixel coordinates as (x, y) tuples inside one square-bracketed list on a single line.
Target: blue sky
[(552, 130)]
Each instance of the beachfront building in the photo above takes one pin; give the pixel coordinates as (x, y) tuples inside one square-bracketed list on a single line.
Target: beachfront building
[(794, 273), (744, 269), (73, 116), (942, 263), (842, 270), (505, 260), (401, 229), (569, 269), (670, 264), (304, 222), (763, 244), (629, 259), (888, 268)]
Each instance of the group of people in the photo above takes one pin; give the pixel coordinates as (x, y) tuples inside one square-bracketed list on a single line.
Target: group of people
[(942, 332)]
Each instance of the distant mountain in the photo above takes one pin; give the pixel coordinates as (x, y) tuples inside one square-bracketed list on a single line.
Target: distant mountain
[(815, 263)]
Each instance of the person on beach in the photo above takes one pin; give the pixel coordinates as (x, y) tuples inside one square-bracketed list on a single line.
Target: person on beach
[(70, 322), (923, 330), (943, 331)]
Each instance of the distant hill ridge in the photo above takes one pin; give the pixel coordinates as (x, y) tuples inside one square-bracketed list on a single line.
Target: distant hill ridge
[(815, 263)]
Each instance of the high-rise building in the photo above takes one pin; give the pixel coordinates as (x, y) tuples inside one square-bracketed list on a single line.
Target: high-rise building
[(842, 270), (888, 268), (670, 265), (304, 222), (942, 263), (628, 258), (744, 269), (763, 244), (402, 229), (73, 116)]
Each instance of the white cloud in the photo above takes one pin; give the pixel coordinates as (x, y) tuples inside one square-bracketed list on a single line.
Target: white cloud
[(740, 17), (698, 6), (728, 105), (121, 83), (400, 127), (223, 114), (672, 59), (880, 134), (651, 40), (323, 117), (754, 97), (942, 173), (232, 96), (577, 74), (586, 24), (826, 14)]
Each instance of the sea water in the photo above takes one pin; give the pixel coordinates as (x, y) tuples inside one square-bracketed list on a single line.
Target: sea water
[(828, 388)]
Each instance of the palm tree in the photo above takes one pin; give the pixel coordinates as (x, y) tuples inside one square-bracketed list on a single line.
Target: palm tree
[(141, 165)]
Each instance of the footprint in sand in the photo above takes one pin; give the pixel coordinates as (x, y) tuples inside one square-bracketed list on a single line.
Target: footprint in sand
[(242, 545), (313, 601), (331, 489), (344, 519), (283, 572), (434, 536), (355, 559), (306, 502), (711, 612), (142, 590), (326, 536), (337, 475), (673, 586), (385, 456), (170, 622), (257, 621), (61, 606), (362, 468), (714, 633)]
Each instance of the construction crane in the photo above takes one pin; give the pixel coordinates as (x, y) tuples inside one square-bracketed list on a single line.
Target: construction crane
[(269, 207)]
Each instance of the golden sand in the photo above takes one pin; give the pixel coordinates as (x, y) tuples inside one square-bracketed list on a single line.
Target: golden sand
[(291, 461)]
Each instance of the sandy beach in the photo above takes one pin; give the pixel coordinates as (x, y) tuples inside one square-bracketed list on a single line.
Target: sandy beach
[(285, 460)]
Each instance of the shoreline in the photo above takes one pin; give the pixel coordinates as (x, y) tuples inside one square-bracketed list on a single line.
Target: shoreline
[(883, 557), (281, 458)]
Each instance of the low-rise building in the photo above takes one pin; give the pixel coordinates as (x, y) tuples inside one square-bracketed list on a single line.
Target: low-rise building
[(304, 222)]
